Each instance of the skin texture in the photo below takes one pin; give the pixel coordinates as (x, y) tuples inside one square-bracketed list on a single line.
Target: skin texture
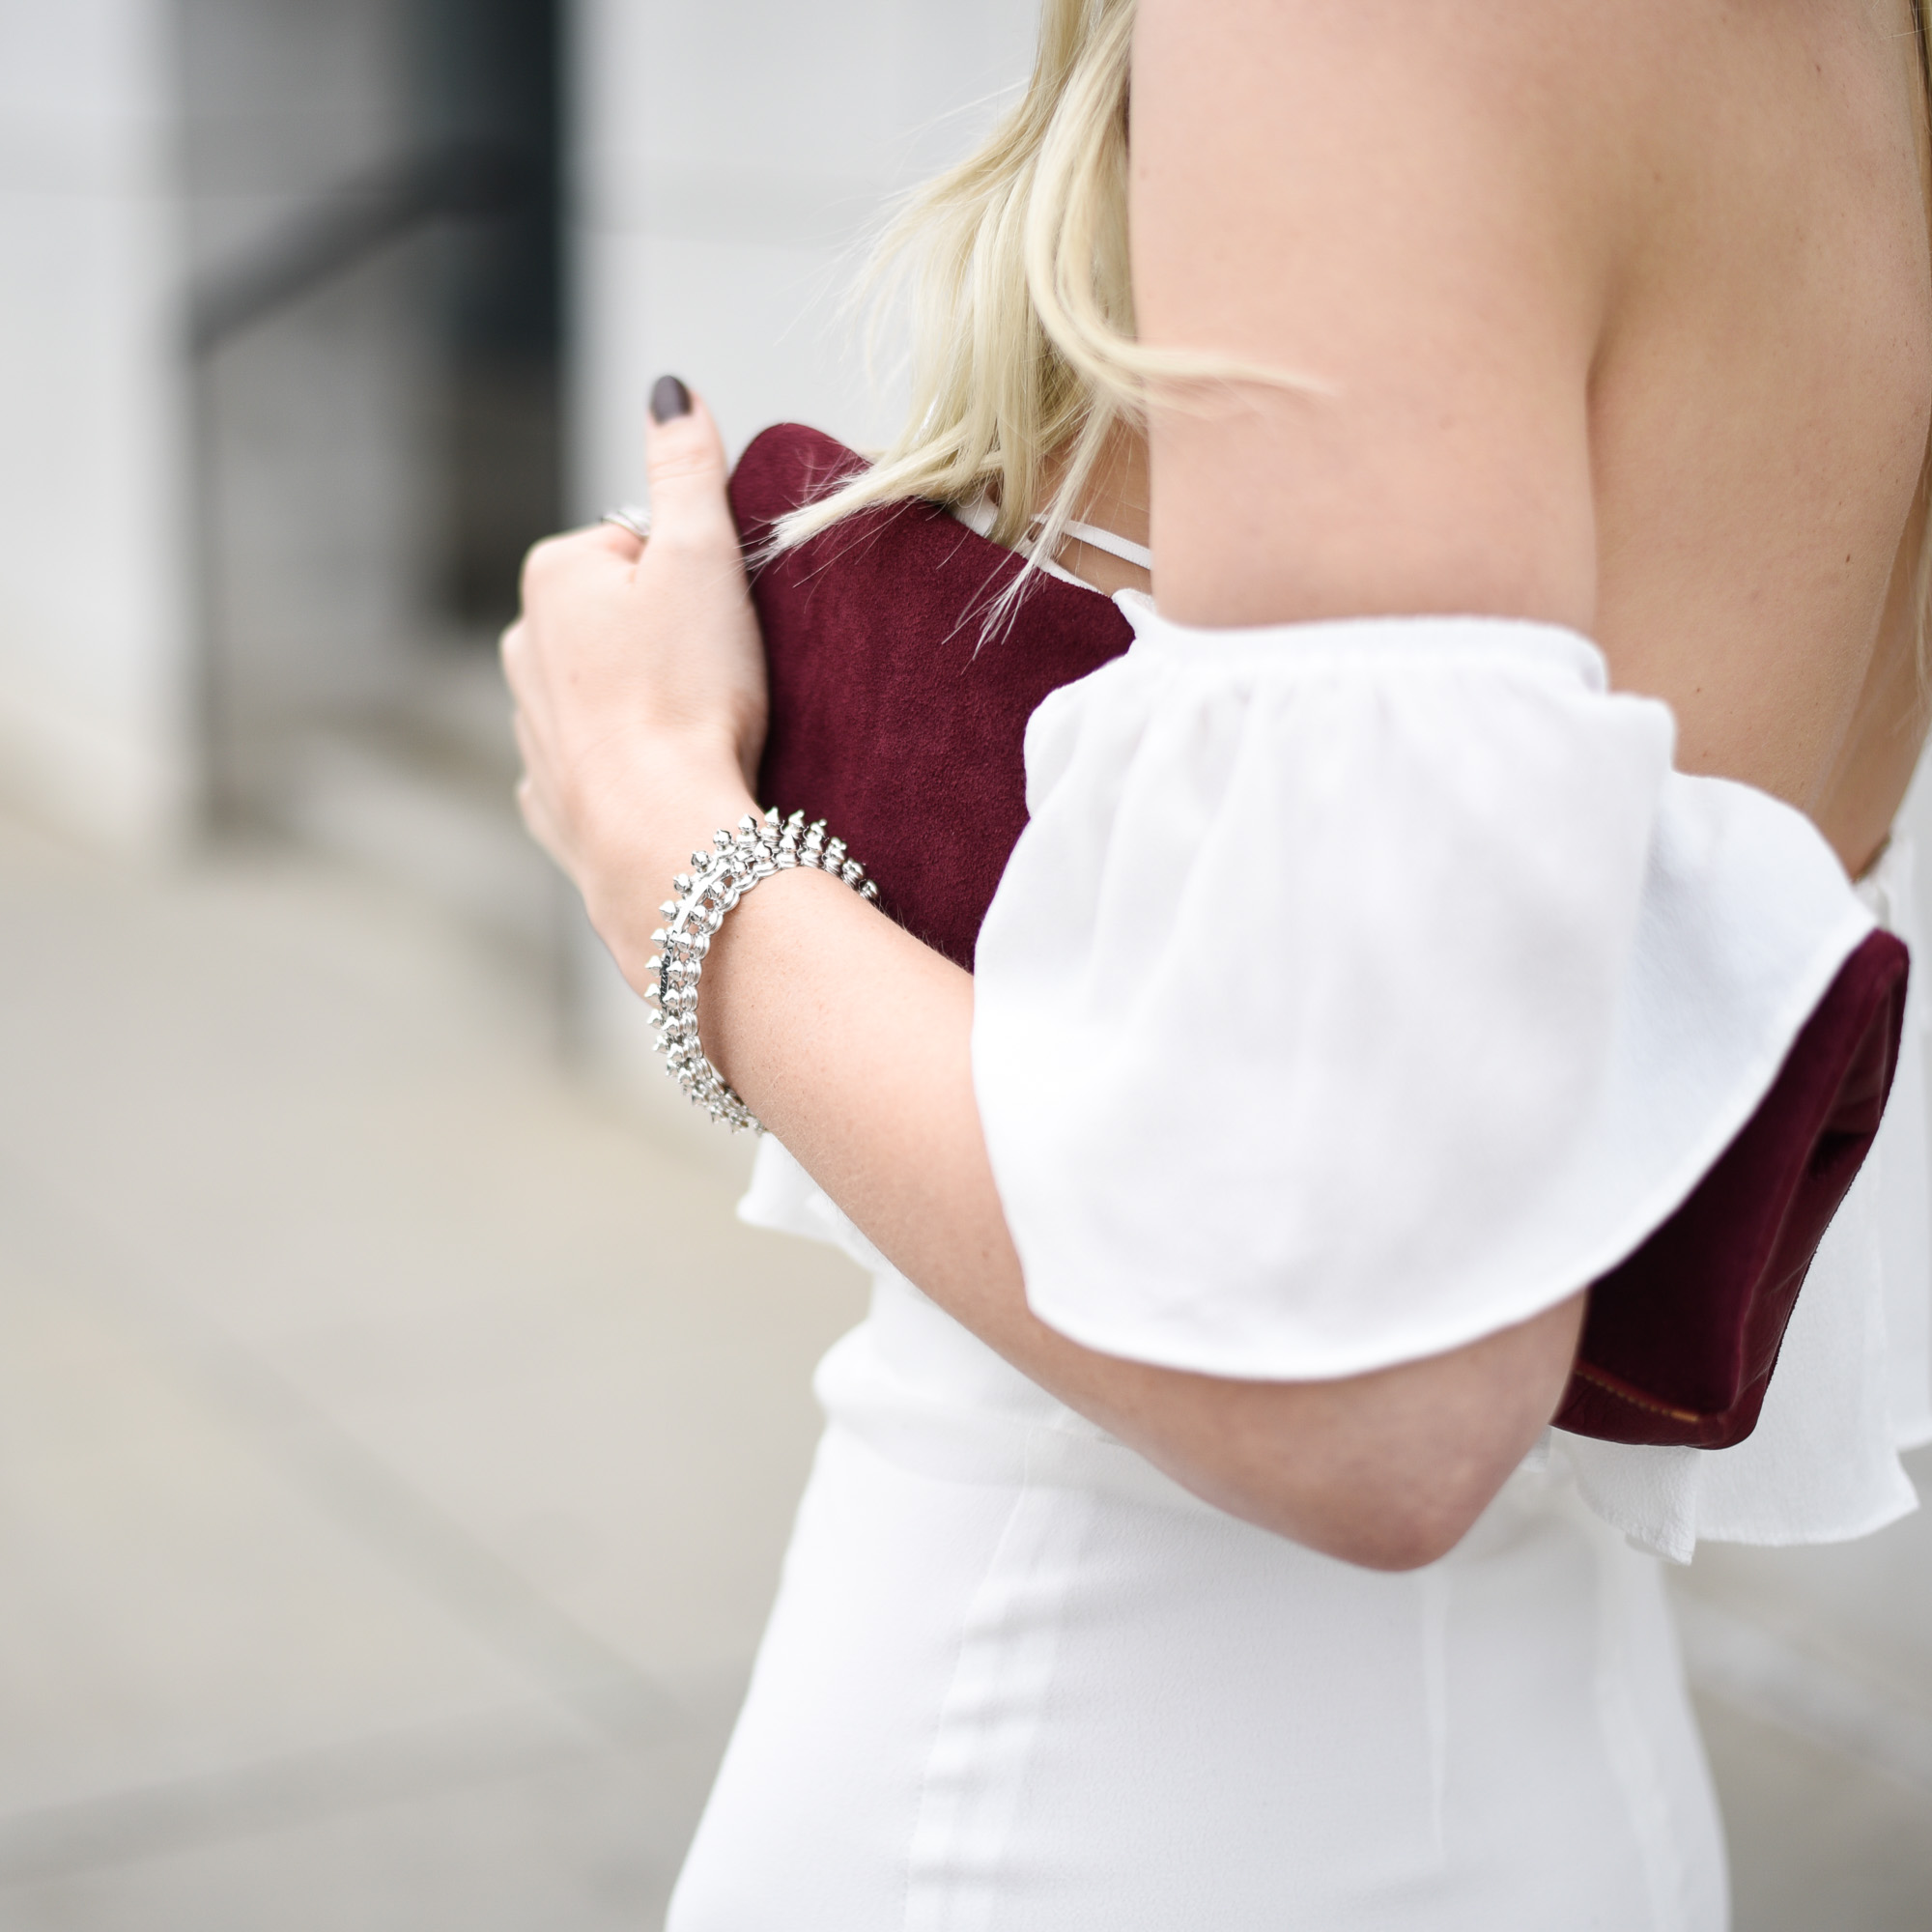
[(1623, 319)]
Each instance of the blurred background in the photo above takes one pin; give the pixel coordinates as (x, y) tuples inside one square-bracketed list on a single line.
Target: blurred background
[(397, 1435)]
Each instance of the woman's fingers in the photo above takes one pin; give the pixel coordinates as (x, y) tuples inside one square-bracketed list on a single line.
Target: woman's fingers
[(619, 539), (600, 547), (541, 824), (533, 802), (527, 711), (523, 672), (685, 458), (637, 670)]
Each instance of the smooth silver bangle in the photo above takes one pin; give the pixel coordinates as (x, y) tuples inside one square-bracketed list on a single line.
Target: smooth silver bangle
[(717, 881)]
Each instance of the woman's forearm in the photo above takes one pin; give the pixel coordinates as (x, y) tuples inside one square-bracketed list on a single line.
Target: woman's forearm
[(852, 1043)]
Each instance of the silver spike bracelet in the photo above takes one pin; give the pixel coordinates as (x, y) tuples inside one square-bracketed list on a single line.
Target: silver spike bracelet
[(717, 881)]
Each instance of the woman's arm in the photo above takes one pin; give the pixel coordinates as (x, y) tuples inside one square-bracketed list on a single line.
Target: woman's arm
[(855, 1040), (1448, 471), (1417, 207), (851, 1041)]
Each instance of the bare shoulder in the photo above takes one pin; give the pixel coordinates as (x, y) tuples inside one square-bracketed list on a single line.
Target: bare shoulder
[(1424, 209), (1617, 315), (1564, 149)]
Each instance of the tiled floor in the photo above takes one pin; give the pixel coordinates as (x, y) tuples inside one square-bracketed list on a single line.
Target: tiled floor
[(396, 1448)]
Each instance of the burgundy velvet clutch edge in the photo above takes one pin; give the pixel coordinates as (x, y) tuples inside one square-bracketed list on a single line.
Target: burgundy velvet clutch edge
[(889, 712)]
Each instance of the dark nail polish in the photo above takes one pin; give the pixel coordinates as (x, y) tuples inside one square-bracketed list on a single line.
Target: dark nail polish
[(670, 399)]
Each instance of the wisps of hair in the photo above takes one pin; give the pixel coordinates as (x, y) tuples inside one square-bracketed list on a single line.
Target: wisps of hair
[(1014, 266)]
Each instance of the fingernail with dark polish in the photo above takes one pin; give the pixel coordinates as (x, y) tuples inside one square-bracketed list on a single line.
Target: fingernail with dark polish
[(670, 398)]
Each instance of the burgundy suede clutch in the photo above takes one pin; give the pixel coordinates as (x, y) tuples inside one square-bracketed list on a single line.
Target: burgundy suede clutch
[(888, 714)]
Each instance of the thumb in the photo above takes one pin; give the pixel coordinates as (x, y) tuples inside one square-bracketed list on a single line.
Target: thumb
[(684, 456)]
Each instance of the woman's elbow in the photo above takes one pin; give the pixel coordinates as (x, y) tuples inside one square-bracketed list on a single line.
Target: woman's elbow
[(1388, 1470), (1375, 1524)]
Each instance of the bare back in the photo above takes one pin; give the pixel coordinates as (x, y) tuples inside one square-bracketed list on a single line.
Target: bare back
[(1759, 417), (1624, 317)]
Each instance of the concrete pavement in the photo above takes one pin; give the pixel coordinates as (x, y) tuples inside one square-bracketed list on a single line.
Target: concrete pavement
[(395, 1450)]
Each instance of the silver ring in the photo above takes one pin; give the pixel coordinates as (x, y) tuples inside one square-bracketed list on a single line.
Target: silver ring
[(632, 517)]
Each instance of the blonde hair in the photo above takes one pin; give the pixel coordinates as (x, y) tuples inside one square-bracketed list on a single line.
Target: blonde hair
[(1015, 261)]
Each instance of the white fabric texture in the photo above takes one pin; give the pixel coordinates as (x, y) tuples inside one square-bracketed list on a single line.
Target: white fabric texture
[(1017, 1681), (1357, 990)]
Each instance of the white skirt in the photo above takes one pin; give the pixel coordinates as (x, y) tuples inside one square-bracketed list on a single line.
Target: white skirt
[(1017, 1681)]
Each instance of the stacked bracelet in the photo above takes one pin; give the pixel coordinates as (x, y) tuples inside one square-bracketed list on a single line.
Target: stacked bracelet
[(716, 882)]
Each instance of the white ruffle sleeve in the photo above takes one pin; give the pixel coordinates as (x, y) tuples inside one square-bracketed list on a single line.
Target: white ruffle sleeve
[(1357, 990)]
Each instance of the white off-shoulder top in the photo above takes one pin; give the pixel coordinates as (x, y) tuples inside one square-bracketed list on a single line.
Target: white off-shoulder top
[(1360, 988)]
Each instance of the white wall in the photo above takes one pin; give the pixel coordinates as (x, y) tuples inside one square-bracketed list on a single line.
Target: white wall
[(95, 687), (727, 158)]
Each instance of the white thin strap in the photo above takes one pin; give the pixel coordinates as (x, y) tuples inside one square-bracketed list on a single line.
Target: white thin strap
[(1106, 540)]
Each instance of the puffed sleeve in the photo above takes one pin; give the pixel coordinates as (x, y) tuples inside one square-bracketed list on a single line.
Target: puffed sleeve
[(1357, 990)]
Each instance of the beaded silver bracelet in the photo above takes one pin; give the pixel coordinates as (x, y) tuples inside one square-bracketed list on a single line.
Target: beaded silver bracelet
[(717, 881)]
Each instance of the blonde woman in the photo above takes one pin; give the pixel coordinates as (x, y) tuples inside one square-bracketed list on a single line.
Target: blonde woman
[(1526, 404)]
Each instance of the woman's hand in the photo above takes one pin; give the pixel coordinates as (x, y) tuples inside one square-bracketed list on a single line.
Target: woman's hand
[(640, 683)]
